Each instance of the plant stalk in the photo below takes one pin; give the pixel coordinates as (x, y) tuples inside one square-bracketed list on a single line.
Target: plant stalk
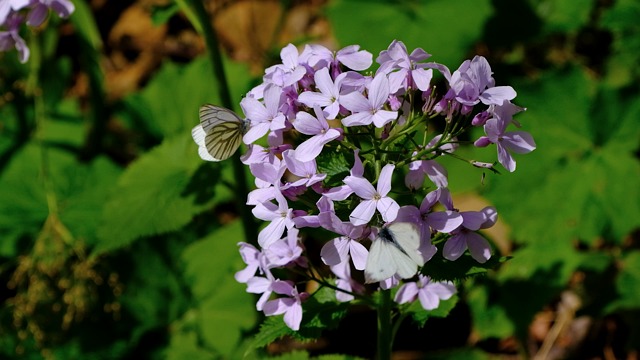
[(384, 326)]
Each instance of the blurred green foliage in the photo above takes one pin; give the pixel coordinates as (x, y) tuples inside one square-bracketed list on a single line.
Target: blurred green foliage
[(106, 256)]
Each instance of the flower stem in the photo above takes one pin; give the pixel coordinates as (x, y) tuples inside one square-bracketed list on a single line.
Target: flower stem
[(384, 326)]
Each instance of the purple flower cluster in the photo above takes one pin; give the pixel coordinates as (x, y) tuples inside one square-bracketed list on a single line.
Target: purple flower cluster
[(318, 106), (13, 13)]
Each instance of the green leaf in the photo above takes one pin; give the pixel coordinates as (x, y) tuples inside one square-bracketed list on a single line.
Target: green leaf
[(149, 197), (169, 104), (335, 165), (489, 319), (416, 23), (224, 309), (585, 149), (564, 16), (420, 315), (271, 329), (628, 284), (162, 14), (79, 191)]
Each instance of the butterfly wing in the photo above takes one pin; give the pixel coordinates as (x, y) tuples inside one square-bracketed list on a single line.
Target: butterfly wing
[(394, 251), (212, 115), (407, 236), (380, 261), (223, 140), (219, 134)]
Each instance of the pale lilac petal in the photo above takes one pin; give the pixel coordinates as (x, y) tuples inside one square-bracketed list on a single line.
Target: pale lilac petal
[(308, 124), (345, 285), (358, 119), (382, 117), (444, 221), (436, 173), (363, 212), (289, 55), (520, 142), (245, 274), (409, 213), (354, 59), (388, 208), (384, 181), (427, 250), (428, 300), (443, 290), (358, 254), (63, 8), (37, 15), (422, 78), (378, 91), (258, 285), (311, 99), (406, 293), (324, 83), (311, 148), (506, 159), (454, 247), (255, 132), (497, 95), (478, 247), (265, 211), (277, 306), (335, 251), (355, 102), (473, 220), (272, 232), (293, 316), (339, 193), (282, 287), (361, 186)]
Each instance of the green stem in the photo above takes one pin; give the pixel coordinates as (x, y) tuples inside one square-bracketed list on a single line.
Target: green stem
[(385, 331), (215, 57)]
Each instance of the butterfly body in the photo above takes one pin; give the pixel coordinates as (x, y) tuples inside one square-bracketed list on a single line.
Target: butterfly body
[(394, 251), (219, 133)]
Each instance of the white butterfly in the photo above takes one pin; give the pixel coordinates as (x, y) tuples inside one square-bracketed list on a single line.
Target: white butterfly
[(394, 251), (219, 134)]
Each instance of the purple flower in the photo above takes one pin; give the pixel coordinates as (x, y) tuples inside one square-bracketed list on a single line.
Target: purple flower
[(338, 250), (373, 197), (428, 292), (289, 72), (519, 142), (11, 38), (254, 260), (466, 237), (261, 285), (351, 56), (410, 73), (40, 10), (268, 180), (442, 221), (345, 282), (6, 6), (329, 95), (306, 170), (285, 251), (264, 117), (290, 306), (280, 217), (472, 83), (369, 110), (320, 132)]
